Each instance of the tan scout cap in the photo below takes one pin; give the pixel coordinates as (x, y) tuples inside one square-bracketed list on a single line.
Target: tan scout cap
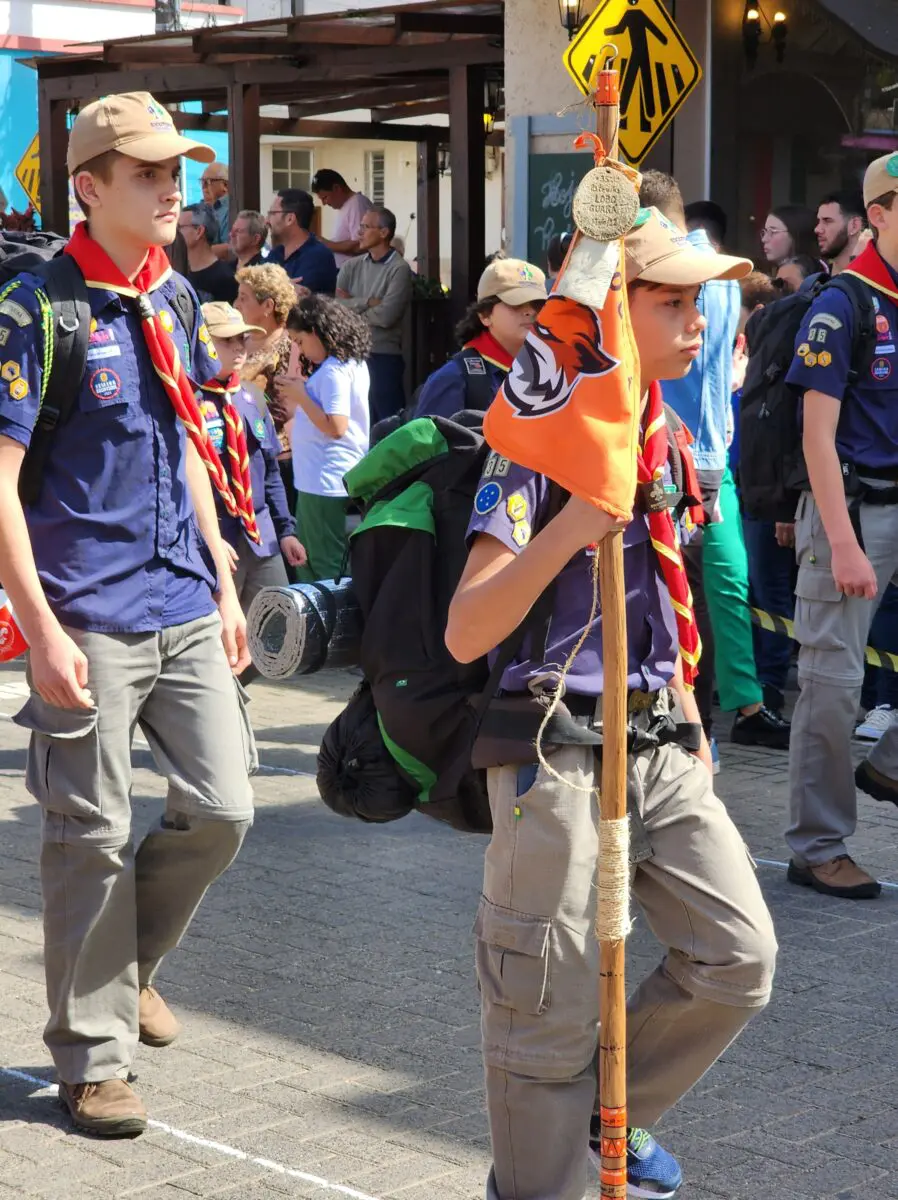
[(134, 124), (513, 282), (224, 321), (658, 252), (881, 177)]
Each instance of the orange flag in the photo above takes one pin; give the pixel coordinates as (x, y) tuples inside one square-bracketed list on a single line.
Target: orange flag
[(569, 408)]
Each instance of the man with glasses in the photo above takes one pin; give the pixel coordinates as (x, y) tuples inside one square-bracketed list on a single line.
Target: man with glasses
[(214, 182), (306, 260), (211, 278), (378, 287)]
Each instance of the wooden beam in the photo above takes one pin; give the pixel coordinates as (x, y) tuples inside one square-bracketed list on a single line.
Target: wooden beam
[(415, 108), (450, 23), (428, 210), (243, 147), (54, 181), (468, 182), (329, 102), (285, 127)]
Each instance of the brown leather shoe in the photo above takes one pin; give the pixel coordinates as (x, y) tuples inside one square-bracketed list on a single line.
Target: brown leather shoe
[(108, 1109), (158, 1026), (840, 877)]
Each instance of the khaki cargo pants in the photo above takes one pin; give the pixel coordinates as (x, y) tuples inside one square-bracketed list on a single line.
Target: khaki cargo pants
[(110, 914), (538, 961)]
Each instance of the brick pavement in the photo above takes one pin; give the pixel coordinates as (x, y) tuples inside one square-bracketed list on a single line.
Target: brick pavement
[(330, 1011)]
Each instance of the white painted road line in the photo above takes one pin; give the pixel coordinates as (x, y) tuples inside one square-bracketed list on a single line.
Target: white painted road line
[(339, 1189)]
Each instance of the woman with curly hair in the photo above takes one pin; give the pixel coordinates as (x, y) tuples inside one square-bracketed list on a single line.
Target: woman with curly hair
[(331, 425), (265, 296)]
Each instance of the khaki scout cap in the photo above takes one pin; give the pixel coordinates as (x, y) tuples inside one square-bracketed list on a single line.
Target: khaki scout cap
[(134, 124), (881, 177), (658, 252), (224, 321), (513, 282)]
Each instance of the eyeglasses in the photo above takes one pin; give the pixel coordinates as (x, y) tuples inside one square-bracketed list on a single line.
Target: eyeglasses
[(275, 212), (767, 232), (213, 179)]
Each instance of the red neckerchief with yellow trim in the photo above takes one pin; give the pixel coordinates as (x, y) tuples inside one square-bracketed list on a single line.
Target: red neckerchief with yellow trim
[(651, 460), (871, 267), (238, 454), (100, 271), (490, 350)]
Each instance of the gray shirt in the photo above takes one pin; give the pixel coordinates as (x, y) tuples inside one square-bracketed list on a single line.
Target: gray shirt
[(388, 280)]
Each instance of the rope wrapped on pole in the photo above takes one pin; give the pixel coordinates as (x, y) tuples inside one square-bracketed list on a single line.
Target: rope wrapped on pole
[(302, 628)]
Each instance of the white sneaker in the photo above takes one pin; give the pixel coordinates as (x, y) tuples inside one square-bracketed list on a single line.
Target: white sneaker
[(875, 723)]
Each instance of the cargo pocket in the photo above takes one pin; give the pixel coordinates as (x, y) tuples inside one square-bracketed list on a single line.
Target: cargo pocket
[(250, 753), (63, 771), (513, 958), (819, 615)]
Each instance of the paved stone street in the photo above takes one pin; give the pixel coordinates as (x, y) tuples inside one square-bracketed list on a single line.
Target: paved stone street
[(330, 1009)]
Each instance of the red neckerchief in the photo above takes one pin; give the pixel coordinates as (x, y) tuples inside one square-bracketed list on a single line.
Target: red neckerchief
[(100, 271), (488, 348), (651, 460), (235, 435), (871, 267)]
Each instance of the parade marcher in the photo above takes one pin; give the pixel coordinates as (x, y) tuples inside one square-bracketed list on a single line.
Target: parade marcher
[(331, 425), (846, 541), (248, 445), (694, 879), (127, 623), (510, 294)]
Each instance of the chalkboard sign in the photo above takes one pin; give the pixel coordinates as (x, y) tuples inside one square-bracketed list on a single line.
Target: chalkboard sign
[(553, 179)]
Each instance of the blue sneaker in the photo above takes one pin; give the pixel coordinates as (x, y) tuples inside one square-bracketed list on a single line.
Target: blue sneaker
[(652, 1172)]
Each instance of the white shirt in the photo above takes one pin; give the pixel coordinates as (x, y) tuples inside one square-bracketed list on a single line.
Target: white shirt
[(349, 220), (319, 461)]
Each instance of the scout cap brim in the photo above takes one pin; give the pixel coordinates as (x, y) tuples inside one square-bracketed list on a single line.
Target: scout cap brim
[(526, 294), (131, 123), (658, 252), (232, 330), (160, 146), (224, 321)]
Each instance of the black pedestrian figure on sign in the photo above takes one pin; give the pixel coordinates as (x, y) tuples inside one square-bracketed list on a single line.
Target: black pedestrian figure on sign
[(638, 68)]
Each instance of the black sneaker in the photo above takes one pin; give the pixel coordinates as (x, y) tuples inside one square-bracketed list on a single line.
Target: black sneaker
[(763, 728)]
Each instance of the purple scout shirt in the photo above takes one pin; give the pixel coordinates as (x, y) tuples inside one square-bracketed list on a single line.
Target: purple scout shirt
[(510, 504)]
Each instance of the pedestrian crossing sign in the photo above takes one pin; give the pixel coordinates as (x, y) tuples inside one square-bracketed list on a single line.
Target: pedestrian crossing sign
[(657, 68), (28, 172)]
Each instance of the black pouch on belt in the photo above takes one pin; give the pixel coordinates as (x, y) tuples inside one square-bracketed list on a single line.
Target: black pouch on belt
[(511, 723)]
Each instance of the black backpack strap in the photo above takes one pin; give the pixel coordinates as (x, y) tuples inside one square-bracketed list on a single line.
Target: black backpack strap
[(475, 373), (863, 331), (537, 620), (67, 294), (185, 306)]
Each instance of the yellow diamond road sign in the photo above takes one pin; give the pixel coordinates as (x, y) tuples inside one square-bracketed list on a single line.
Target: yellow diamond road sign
[(28, 172), (657, 68)]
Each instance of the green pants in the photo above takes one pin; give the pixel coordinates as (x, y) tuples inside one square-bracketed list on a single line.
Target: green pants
[(725, 575), (321, 527)]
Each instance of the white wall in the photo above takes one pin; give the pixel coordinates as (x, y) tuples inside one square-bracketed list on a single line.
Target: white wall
[(74, 20)]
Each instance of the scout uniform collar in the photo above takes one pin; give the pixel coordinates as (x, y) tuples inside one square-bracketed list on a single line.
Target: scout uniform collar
[(873, 269), (100, 271), (490, 350)]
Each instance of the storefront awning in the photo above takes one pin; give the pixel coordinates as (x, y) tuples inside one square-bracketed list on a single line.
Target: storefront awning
[(873, 21)]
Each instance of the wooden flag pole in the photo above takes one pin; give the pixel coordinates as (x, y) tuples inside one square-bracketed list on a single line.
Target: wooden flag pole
[(613, 842)]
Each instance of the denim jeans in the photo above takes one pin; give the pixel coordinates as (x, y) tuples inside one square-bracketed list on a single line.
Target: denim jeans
[(771, 573)]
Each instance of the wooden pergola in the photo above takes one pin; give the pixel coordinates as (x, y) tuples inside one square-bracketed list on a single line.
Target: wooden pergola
[(400, 62)]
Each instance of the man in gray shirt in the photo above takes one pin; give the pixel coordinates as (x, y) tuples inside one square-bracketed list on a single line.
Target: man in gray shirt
[(378, 286)]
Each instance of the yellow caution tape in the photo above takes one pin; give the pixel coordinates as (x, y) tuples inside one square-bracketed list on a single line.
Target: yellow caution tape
[(774, 623)]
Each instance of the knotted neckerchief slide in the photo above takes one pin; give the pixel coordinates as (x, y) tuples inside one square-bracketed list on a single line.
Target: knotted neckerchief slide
[(100, 271), (650, 462), (238, 454)]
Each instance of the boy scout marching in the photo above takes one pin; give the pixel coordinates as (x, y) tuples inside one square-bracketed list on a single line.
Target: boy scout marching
[(130, 619), (846, 541), (537, 957)]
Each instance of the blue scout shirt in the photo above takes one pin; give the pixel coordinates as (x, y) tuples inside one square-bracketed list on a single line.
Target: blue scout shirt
[(263, 446), (701, 399), (443, 393), (312, 264), (114, 532), (867, 431), (509, 504)]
